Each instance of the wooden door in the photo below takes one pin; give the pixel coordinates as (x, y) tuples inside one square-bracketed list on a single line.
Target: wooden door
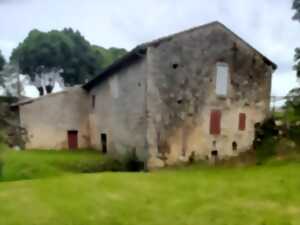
[(73, 139)]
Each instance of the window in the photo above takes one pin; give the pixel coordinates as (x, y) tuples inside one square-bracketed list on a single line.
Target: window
[(222, 78), (93, 101), (104, 143), (215, 122), (114, 87), (242, 121)]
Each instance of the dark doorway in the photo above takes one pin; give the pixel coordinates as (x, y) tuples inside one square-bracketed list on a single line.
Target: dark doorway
[(234, 146), (104, 142), (214, 153), (73, 139)]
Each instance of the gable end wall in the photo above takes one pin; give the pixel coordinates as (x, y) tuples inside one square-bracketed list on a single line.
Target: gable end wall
[(181, 95)]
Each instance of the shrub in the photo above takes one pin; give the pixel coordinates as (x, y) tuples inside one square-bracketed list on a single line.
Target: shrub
[(266, 150), (192, 157), (132, 163), (294, 133), (39, 164), (266, 138), (1, 166)]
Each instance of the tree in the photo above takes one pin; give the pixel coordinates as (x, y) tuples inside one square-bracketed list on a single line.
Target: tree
[(2, 61), (296, 6), (108, 56), (45, 55), (292, 104), (10, 81)]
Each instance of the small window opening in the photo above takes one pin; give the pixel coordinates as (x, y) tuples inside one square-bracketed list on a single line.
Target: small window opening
[(104, 142), (222, 79), (179, 101), (234, 146), (214, 153), (93, 101), (175, 65)]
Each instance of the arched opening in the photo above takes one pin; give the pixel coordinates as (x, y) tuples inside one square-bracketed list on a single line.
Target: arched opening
[(234, 146)]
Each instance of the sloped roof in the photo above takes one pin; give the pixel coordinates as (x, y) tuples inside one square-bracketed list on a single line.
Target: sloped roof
[(141, 50), (131, 56), (26, 100)]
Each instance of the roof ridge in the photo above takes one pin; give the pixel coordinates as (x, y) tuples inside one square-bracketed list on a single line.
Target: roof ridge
[(146, 44), (159, 40), (141, 49)]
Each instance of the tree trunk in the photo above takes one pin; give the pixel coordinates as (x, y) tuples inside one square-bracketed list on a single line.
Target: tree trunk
[(41, 90), (49, 89)]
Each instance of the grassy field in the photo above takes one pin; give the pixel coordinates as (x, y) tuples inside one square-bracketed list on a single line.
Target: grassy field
[(261, 195), (40, 164)]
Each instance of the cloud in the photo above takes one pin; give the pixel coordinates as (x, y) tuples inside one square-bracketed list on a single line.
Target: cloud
[(266, 25)]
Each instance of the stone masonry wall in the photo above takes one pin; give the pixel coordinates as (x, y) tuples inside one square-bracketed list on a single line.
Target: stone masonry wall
[(181, 94), (120, 111)]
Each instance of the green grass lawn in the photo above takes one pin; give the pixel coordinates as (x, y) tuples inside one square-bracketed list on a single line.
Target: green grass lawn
[(39, 164), (268, 194)]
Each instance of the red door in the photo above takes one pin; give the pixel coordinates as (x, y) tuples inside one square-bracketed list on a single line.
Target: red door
[(73, 139)]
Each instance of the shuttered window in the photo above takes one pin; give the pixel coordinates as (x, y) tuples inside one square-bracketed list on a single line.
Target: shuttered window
[(215, 122), (242, 121), (222, 78)]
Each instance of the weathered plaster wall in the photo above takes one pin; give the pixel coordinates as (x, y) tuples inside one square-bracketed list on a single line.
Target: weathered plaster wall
[(181, 94), (48, 119), (160, 105), (120, 111)]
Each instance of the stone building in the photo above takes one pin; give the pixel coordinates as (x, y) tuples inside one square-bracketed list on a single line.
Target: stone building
[(196, 93)]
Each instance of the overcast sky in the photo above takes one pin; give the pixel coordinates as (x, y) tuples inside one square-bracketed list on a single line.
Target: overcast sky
[(265, 24)]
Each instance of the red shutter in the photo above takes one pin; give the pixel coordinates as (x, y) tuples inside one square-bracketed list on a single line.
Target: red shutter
[(242, 121), (215, 122)]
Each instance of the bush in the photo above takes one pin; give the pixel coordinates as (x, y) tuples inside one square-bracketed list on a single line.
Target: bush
[(1, 166), (132, 163), (266, 138), (266, 150), (41, 163), (2, 139), (91, 166), (294, 134)]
